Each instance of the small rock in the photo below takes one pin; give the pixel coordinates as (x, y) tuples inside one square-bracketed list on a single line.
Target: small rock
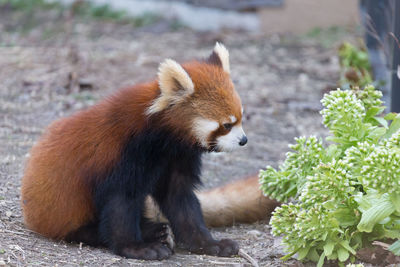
[(255, 233), (85, 84), (2, 262), (8, 214), (303, 79)]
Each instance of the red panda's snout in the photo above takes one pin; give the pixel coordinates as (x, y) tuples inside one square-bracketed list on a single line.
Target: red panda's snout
[(219, 137), (233, 140)]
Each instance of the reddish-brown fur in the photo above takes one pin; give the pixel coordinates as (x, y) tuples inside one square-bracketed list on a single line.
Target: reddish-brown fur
[(239, 202), (54, 189), (74, 151)]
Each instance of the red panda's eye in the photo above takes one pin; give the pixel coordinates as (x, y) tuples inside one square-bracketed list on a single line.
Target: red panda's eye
[(228, 126)]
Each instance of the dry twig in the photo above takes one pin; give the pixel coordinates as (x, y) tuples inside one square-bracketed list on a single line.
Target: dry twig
[(381, 244), (246, 256)]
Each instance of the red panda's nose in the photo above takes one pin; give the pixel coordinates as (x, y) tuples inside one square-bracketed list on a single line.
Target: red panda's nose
[(243, 140)]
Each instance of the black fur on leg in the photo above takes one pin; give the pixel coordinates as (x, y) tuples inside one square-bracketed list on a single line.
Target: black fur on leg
[(155, 163), (87, 234), (119, 199), (182, 208), (119, 225), (120, 229), (153, 232)]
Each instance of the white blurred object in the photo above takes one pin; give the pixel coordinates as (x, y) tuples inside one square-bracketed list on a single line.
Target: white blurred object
[(197, 18)]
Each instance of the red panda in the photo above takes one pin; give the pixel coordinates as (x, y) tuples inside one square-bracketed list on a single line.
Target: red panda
[(90, 174)]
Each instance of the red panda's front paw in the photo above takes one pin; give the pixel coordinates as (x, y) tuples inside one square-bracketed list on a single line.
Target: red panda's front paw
[(154, 251), (228, 247), (221, 248), (158, 232)]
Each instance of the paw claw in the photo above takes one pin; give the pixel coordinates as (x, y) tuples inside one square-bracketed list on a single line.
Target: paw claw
[(159, 232)]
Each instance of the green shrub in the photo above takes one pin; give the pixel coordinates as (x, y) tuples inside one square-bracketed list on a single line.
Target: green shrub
[(343, 195)]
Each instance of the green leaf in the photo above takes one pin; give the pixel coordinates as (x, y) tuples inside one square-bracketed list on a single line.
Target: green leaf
[(395, 198), (373, 111), (313, 255), (288, 256), (343, 254), (346, 217), (331, 152), (330, 204), (321, 260), (334, 139), (290, 189), (394, 126), (390, 116), (302, 253), (353, 139), (395, 248), (381, 121), (379, 211), (363, 201), (378, 233), (385, 220), (333, 256), (324, 236), (376, 133), (393, 234), (328, 248), (347, 246)]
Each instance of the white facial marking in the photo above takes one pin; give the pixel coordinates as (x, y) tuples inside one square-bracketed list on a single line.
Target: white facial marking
[(231, 141), (203, 128), (242, 110), (232, 118)]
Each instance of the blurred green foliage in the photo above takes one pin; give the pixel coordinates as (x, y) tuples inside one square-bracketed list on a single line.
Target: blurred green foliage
[(26, 14), (329, 36), (30, 5), (355, 66)]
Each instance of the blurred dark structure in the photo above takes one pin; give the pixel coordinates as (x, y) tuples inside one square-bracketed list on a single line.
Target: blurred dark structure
[(381, 19), (395, 84)]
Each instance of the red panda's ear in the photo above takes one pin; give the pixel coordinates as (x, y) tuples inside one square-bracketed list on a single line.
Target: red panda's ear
[(175, 84), (172, 79), (220, 57)]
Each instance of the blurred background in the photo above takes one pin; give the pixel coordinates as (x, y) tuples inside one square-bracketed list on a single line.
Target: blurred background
[(57, 57), (49, 22)]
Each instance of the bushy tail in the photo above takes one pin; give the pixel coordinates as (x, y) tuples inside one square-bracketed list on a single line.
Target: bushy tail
[(238, 202)]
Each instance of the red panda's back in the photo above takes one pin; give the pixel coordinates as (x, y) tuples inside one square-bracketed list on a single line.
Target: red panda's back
[(55, 199), (72, 155)]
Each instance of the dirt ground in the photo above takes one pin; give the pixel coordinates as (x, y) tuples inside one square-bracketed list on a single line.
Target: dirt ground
[(280, 79)]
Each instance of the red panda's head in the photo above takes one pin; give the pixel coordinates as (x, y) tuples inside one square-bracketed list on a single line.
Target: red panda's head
[(199, 100)]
